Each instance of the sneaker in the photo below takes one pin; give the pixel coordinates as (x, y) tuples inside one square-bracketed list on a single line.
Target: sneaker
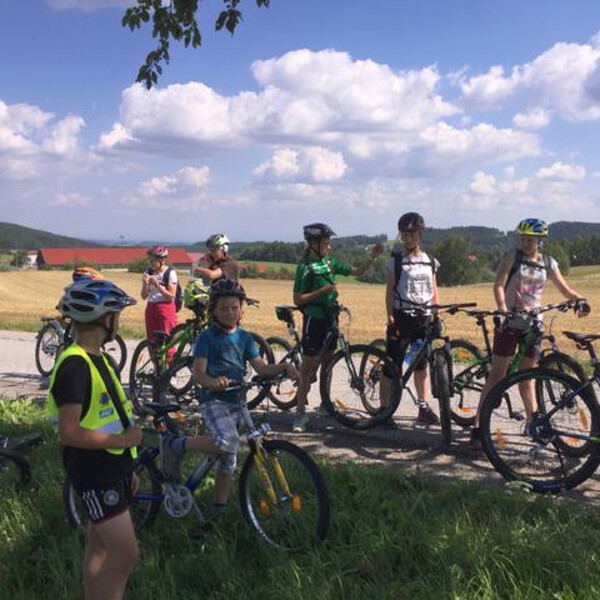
[(321, 411), (172, 455), (300, 423), (427, 416), (475, 440)]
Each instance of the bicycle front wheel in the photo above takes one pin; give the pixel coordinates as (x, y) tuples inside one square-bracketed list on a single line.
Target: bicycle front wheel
[(283, 496), (541, 450), (49, 340), (143, 507), (283, 393), (360, 388), (468, 378), (440, 372), (15, 471)]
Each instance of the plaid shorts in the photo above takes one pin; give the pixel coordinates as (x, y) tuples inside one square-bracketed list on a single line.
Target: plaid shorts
[(221, 419)]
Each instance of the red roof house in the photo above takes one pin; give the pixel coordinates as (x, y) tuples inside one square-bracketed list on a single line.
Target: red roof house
[(110, 256)]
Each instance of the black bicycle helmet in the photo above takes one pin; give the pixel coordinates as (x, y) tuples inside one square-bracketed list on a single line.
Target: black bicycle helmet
[(411, 221), (226, 287), (317, 231)]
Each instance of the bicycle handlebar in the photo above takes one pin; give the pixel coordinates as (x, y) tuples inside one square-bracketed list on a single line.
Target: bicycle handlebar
[(449, 308), (562, 307)]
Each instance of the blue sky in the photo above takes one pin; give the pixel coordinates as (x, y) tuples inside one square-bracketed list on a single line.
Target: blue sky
[(469, 111)]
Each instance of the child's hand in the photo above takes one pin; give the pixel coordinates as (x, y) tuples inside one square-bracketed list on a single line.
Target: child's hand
[(132, 437), (582, 308), (219, 383), (376, 250)]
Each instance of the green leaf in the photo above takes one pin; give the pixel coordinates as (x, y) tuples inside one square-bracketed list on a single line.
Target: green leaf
[(221, 20)]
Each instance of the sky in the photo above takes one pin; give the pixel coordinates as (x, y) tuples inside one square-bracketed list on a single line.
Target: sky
[(471, 112)]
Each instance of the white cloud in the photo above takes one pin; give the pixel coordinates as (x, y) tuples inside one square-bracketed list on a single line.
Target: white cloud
[(186, 180), (70, 200), (561, 172), (564, 80), (535, 119), (315, 164)]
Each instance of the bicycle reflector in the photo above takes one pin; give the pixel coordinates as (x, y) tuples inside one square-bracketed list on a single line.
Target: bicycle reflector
[(296, 503)]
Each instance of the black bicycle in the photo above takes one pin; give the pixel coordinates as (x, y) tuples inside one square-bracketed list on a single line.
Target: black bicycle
[(282, 493), (15, 470), (550, 439)]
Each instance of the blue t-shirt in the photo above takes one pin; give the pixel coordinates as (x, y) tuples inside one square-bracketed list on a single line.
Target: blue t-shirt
[(227, 355)]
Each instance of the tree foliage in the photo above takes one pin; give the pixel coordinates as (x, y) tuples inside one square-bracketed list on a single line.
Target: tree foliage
[(175, 20)]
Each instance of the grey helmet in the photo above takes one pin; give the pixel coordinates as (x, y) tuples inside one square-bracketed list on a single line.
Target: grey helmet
[(218, 240), (86, 301)]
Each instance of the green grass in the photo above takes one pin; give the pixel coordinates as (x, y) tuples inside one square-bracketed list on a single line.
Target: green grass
[(392, 536)]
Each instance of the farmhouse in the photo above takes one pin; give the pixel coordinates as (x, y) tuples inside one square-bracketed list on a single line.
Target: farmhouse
[(113, 256)]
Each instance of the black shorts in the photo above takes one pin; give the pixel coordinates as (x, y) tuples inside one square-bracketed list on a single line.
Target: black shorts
[(408, 329), (105, 500), (314, 332)]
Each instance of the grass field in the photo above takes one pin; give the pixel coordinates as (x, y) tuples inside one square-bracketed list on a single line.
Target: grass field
[(392, 535), (27, 295)]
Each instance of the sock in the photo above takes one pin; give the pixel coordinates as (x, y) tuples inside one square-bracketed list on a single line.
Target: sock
[(218, 508), (177, 444), (421, 403)]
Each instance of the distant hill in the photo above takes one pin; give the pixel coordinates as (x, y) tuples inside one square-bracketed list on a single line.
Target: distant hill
[(481, 236), (569, 230), (24, 238)]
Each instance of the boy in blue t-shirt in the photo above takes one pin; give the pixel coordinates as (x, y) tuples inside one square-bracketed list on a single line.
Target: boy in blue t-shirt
[(220, 356)]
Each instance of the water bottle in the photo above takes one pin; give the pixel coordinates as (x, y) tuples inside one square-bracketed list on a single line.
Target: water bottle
[(412, 351)]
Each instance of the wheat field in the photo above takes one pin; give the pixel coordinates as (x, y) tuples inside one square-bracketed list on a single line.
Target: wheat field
[(25, 296)]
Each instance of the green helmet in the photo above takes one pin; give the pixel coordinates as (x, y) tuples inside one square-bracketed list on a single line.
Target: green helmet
[(535, 227), (196, 294)]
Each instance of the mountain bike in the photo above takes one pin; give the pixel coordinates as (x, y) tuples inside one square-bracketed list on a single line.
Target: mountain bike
[(169, 358), (471, 366), (558, 446), (282, 493), (56, 334), (15, 470)]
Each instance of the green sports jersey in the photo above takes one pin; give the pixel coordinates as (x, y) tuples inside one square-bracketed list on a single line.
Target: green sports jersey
[(314, 273)]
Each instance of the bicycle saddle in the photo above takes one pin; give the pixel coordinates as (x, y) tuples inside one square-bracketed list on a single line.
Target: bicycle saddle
[(159, 410), (582, 338)]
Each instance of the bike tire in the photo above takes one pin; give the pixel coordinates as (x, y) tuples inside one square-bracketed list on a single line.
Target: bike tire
[(468, 378), (15, 471), (49, 340), (28, 440), (180, 377), (351, 386), (441, 373), (537, 458), (117, 350), (557, 361), (187, 349), (283, 394), (254, 398), (291, 523), (143, 373), (143, 510)]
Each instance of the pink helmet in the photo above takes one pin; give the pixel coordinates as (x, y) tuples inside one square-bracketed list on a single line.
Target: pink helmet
[(158, 252)]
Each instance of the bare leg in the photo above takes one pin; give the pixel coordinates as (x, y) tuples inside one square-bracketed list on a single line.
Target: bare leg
[(222, 487), (110, 557), (498, 370), (308, 363), (527, 387), (422, 385)]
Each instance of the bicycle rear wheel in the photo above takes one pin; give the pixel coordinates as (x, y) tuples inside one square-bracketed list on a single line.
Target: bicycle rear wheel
[(441, 379), (49, 340), (15, 471), (540, 451), (295, 515), (361, 389), (144, 505), (142, 375), (468, 378), (257, 395), (284, 393)]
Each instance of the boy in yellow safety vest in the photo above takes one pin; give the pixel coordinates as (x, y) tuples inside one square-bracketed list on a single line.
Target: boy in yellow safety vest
[(98, 435)]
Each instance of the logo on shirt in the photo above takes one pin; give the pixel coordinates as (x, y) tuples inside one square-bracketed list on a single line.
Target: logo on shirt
[(111, 498), (104, 399), (106, 412)]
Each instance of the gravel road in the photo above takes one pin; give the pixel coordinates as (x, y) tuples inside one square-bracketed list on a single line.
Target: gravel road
[(409, 446)]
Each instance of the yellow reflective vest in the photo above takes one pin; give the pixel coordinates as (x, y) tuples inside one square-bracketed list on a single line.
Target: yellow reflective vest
[(102, 414)]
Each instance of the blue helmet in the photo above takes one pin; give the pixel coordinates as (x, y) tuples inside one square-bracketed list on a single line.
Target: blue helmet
[(87, 300)]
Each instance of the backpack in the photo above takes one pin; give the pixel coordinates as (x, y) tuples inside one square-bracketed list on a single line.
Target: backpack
[(520, 259), (399, 271), (178, 299)]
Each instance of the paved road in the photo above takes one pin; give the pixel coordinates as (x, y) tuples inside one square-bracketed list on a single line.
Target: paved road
[(412, 447)]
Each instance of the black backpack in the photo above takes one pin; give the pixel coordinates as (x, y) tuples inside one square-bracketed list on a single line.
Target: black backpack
[(399, 271), (520, 260), (178, 292)]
